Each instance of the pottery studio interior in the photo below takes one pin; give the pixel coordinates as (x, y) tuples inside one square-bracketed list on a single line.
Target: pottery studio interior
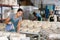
[(29, 19)]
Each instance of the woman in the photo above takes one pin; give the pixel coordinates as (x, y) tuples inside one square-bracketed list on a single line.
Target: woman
[(37, 16), (15, 19), (51, 17)]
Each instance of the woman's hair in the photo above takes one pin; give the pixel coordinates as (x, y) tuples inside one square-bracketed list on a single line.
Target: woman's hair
[(34, 13), (19, 10)]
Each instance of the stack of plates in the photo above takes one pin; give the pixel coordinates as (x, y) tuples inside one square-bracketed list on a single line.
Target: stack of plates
[(3, 38), (17, 36)]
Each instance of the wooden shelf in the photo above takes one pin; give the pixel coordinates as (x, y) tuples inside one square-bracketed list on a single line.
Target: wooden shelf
[(2, 20), (5, 5)]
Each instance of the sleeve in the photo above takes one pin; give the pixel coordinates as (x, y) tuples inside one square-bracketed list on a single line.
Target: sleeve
[(38, 15)]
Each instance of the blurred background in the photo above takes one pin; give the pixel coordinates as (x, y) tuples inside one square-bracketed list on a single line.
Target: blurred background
[(44, 7)]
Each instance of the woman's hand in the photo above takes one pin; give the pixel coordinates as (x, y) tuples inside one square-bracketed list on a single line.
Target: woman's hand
[(7, 20), (18, 26)]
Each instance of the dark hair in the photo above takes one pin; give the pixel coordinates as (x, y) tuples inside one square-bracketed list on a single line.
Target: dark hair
[(19, 10), (34, 13)]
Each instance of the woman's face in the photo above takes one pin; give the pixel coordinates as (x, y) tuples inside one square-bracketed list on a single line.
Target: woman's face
[(19, 13)]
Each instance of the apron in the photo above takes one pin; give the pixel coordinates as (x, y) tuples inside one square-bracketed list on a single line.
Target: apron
[(15, 23)]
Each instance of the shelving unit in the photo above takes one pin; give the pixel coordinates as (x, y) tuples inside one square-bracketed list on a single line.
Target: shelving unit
[(4, 4), (1, 10)]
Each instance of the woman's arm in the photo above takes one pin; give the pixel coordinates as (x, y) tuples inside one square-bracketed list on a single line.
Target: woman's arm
[(7, 20), (18, 26), (35, 18)]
